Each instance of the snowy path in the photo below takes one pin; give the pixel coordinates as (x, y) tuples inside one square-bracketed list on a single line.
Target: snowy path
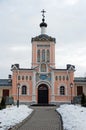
[(44, 118)]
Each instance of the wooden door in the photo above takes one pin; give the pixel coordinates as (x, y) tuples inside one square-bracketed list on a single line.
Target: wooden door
[(5, 92), (79, 90), (43, 94)]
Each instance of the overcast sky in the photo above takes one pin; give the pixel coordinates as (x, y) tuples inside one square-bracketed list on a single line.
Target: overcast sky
[(19, 22)]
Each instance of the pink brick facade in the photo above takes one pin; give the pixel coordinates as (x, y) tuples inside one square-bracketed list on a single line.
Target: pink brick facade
[(43, 83)]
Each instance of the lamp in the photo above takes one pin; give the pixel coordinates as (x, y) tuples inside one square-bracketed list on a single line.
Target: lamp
[(18, 86), (71, 86)]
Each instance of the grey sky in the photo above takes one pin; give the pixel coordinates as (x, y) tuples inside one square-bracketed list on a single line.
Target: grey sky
[(19, 22)]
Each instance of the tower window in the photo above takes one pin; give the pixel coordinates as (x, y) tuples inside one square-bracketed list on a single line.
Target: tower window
[(43, 55), (24, 89), (48, 56), (62, 90), (38, 56)]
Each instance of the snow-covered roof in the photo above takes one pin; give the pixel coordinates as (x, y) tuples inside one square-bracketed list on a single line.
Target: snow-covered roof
[(5, 82), (80, 79)]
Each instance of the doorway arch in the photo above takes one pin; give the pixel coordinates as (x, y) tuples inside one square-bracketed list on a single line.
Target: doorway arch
[(43, 94)]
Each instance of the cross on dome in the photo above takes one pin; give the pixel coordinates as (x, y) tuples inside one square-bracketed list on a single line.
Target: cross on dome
[(43, 11)]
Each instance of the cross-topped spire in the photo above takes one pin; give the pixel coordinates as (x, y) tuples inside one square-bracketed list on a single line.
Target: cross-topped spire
[(43, 25), (43, 11)]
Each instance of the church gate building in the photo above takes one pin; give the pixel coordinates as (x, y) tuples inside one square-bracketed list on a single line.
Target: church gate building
[(43, 83)]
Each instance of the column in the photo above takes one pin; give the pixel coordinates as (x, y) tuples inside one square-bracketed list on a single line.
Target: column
[(52, 82), (33, 88)]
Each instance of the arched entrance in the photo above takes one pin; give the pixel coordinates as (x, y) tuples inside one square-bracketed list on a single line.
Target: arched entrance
[(43, 94)]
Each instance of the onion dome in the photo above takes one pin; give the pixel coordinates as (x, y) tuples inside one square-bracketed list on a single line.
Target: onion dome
[(43, 24)]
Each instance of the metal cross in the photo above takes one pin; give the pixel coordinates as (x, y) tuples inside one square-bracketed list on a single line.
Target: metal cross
[(43, 11)]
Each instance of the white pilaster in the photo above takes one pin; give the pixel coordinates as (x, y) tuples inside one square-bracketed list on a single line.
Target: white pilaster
[(33, 89), (52, 82)]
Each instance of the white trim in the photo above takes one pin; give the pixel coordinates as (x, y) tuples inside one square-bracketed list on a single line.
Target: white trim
[(33, 87), (43, 82), (52, 81)]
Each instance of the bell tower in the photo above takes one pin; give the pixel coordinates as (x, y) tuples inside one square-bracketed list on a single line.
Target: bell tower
[(43, 47)]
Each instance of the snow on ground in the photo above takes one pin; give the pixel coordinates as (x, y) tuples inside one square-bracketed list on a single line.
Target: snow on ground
[(13, 115), (74, 117)]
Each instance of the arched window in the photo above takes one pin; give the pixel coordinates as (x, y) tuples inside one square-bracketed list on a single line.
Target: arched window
[(24, 89), (26, 77), (56, 77), (22, 77), (43, 55), (38, 56), (67, 78), (43, 67), (48, 56), (30, 78), (63, 77), (19, 77), (60, 78), (62, 90)]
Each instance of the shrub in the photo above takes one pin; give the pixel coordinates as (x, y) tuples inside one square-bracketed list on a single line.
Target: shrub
[(9, 100), (0, 106), (3, 105), (83, 100)]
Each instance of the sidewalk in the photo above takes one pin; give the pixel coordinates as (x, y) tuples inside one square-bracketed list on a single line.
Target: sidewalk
[(43, 118)]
